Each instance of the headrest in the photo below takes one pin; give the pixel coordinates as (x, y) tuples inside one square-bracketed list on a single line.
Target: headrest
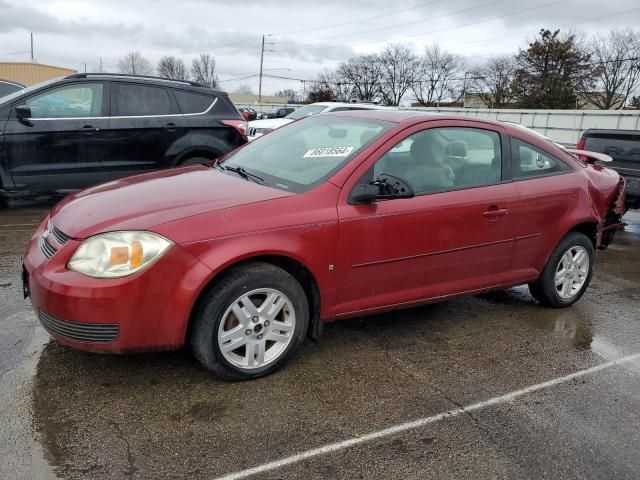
[(457, 148)]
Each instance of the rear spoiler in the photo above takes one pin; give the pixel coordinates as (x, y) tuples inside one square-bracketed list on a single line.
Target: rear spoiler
[(589, 157)]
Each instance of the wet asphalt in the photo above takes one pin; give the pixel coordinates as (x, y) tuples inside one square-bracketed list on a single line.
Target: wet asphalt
[(73, 415)]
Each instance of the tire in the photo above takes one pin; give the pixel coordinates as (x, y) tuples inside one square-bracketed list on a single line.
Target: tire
[(220, 337), (546, 291), (194, 161)]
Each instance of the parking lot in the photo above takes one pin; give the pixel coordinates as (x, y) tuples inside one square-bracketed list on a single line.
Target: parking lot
[(499, 386)]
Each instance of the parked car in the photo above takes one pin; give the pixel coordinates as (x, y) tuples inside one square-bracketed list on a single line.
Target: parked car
[(248, 113), (7, 87), (335, 216), (260, 127), (73, 132), (624, 147)]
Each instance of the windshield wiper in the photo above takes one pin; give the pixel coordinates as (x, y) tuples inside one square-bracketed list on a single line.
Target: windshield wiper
[(242, 172)]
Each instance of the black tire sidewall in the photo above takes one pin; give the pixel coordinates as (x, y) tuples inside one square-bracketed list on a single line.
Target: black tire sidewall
[(217, 300)]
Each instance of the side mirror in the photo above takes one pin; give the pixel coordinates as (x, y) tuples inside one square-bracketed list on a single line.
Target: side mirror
[(23, 112), (365, 193), (385, 187)]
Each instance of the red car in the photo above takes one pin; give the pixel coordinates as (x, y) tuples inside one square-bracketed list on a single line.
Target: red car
[(334, 216)]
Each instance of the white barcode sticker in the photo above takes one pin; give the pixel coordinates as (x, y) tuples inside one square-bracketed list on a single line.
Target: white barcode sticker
[(329, 152)]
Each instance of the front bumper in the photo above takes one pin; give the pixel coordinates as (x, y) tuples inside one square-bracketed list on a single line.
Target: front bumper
[(146, 311)]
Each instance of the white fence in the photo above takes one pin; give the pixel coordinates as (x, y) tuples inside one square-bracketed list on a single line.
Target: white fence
[(562, 126)]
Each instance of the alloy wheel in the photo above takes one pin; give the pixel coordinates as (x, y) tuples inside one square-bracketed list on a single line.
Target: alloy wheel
[(572, 272), (256, 328)]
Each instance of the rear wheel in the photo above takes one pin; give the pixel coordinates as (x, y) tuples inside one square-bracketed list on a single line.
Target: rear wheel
[(567, 273), (250, 323)]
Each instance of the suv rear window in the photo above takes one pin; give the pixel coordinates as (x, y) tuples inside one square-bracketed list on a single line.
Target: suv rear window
[(190, 102), (139, 100)]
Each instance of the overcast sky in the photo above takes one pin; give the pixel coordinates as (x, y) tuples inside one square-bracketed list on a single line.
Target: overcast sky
[(308, 36)]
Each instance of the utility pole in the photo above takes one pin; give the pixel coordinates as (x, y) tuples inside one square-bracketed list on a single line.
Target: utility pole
[(31, 35), (261, 63)]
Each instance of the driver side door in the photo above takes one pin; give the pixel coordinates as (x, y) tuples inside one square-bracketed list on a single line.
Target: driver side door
[(61, 145), (454, 236)]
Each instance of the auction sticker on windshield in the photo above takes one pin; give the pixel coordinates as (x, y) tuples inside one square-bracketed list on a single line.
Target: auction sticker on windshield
[(328, 152)]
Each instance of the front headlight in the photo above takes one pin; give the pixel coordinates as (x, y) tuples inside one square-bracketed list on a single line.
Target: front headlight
[(117, 254)]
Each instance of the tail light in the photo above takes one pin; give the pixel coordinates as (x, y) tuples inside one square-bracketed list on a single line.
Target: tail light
[(240, 125), (581, 143), (245, 115)]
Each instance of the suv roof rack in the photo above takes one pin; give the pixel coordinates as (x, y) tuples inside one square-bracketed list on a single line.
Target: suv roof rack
[(128, 75)]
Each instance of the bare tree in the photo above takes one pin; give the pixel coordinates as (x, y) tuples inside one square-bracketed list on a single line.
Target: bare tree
[(172, 67), (203, 70), (437, 73), (133, 63), (288, 93), (244, 88), (337, 84), (400, 67), (615, 68), (363, 74), (493, 80)]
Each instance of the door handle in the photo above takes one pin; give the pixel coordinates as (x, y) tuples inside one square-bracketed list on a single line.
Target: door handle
[(171, 127), (89, 129), (494, 213)]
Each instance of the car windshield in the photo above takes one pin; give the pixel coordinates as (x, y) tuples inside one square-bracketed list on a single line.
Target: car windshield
[(303, 154), (12, 96), (306, 111)]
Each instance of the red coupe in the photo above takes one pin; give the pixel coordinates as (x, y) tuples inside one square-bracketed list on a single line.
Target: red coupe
[(331, 217)]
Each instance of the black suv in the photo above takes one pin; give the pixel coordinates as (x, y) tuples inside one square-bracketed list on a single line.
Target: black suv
[(7, 87), (69, 133)]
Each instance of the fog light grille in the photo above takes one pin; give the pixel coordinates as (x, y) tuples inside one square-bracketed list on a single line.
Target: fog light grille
[(81, 332)]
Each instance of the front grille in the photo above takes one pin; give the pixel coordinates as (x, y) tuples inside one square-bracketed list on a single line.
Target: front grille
[(81, 332), (43, 244), (61, 237), (45, 247), (253, 131)]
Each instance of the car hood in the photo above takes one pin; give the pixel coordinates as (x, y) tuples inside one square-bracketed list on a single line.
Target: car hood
[(144, 201), (270, 123)]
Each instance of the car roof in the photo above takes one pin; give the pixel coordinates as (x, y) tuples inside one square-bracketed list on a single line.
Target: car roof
[(149, 80), (11, 82)]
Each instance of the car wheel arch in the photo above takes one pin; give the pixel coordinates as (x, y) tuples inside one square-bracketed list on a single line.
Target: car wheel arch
[(294, 267), (184, 156)]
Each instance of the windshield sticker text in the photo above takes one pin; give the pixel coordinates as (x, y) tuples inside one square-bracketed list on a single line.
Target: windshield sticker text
[(328, 152)]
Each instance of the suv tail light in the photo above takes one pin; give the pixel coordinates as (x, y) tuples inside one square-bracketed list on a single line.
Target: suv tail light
[(581, 142), (240, 125)]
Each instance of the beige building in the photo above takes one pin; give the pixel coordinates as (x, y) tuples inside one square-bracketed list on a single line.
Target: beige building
[(250, 98), (31, 73)]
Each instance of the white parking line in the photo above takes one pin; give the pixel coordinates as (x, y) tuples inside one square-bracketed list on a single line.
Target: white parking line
[(421, 422)]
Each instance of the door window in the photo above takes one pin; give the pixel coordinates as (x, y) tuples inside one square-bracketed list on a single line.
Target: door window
[(444, 158), (530, 161), (142, 100), (70, 101), (190, 102)]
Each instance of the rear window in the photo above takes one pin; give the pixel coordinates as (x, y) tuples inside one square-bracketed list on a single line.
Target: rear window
[(530, 161), (138, 100), (190, 102)]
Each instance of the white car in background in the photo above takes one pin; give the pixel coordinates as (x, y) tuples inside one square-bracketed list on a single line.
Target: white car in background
[(257, 128)]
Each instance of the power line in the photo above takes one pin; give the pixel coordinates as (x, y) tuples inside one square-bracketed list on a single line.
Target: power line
[(360, 19), (421, 20), (498, 17)]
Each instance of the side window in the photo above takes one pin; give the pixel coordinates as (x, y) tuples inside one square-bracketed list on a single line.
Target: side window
[(530, 161), (70, 101), (445, 158), (190, 102), (138, 100)]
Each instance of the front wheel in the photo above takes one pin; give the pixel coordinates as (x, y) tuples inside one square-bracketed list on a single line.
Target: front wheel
[(567, 273), (250, 323)]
